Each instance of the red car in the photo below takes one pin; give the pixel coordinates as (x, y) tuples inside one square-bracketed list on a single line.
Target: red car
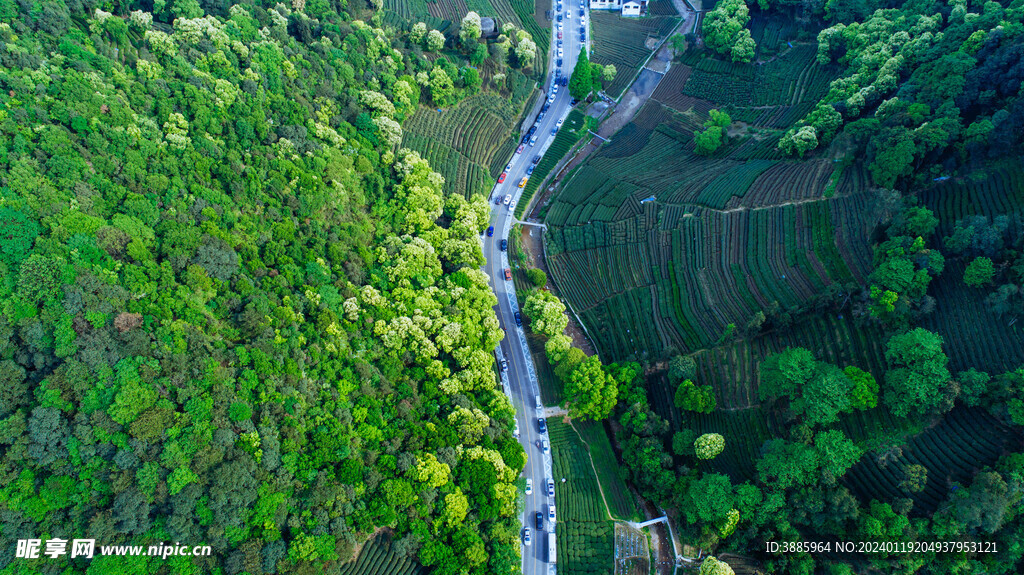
[(559, 34), (508, 274), (519, 150), (501, 178)]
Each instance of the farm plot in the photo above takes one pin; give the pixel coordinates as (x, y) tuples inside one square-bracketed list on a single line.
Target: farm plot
[(567, 135), (999, 189), (632, 556), (973, 336), (585, 534), (462, 142), (378, 558), (670, 281), (733, 369), (774, 95), (964, 442), (715, 240), (619, 497), (622, 42)]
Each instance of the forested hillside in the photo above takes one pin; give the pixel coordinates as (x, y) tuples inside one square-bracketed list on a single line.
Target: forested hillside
[(232, 311)]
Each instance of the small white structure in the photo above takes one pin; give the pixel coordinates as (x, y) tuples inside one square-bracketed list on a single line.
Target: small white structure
[(631, 8)]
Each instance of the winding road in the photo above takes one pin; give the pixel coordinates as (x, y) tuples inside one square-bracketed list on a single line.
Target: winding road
[(520, 379)]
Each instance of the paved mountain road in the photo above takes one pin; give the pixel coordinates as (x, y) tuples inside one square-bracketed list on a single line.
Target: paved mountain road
[(520, 380)]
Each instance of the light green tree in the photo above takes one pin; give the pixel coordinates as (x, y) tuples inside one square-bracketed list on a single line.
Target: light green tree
[(709, 445), (979, 272), (435, 41), (589, 392)]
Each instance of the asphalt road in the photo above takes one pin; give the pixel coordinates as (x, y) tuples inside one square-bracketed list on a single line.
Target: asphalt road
[(520, 378)]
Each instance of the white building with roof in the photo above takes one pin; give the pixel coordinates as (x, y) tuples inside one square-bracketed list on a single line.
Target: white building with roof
[(632, 8)]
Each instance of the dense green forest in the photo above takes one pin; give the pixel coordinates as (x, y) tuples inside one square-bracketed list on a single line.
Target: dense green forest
[(232, 311)]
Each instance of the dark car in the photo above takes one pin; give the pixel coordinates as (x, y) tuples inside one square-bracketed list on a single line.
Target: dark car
[(565, 81), (559, 62), (504, 245), (582, 13), (559, 17), (542, 425), (536, 159), (583, 29), (545, 108), (490, 231), (540, 520), (519, 319), (531, 131), (529, 171)]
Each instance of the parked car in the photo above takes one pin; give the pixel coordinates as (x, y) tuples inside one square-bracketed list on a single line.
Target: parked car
[(504, 245), (559, 51), (533, 140), (508, 274), (508, 198), (559, 33), (526, 536), (544, 445), (490, 231), (551, 487), (558, 124), (519, 319), (540, 116), (551, 508), (545, 108), (565, 82), (520, 149), (540, 520), (551, 98), (559, 61), (532, 130), (559, 18), (501, 178), (568, 15), (504, 365), (542, 425), (554, 131), (529, 486), (522, 182), (536, 159), (529, 170), (512, 205)]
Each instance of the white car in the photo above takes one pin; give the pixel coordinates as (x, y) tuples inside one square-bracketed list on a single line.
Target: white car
[(554, 89), (529, 486), (551, 98), (551, 487), (526, 535), (512, 204), (568, 14), (544, 445), (559, 52), (508, 198), (559, 26), (551, 514), (558, 124)]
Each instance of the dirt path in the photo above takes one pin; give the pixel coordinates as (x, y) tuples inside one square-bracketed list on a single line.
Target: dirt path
[(597, 478)]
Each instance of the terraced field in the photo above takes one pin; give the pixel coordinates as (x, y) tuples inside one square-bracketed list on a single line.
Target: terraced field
[(772, 95), (585, 534), (462, 142), (622, 42), (378, 558)]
